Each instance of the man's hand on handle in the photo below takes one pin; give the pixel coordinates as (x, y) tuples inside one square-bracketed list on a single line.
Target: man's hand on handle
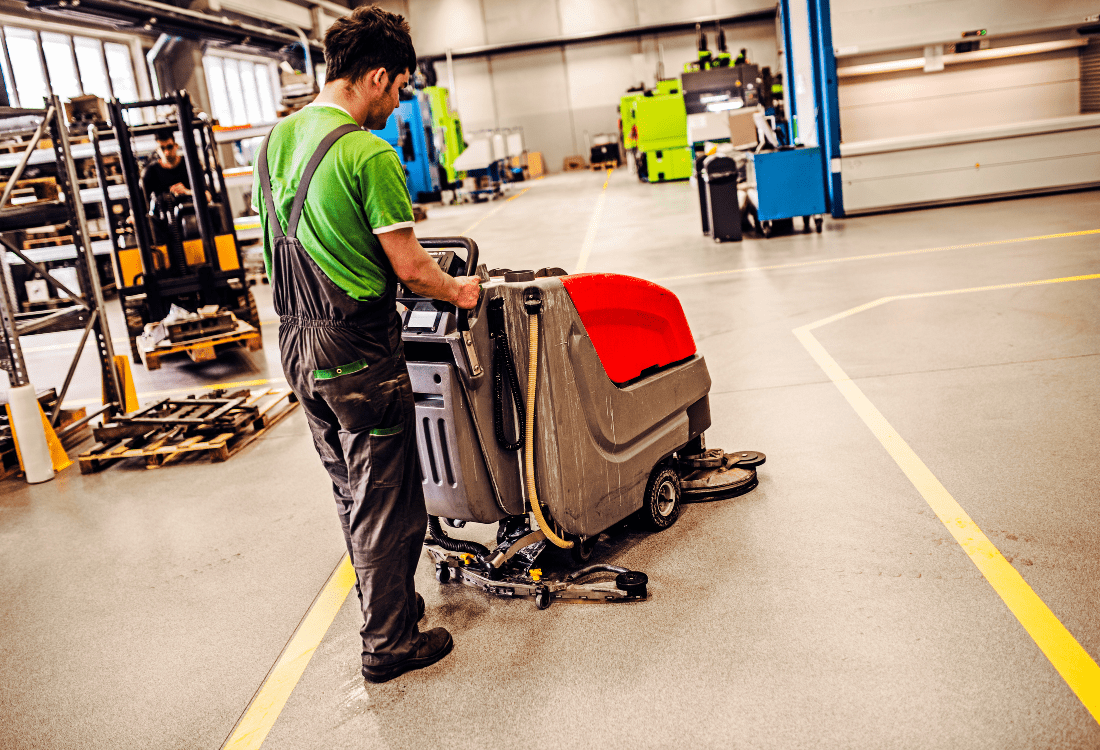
[(469, 288), (421, 274)]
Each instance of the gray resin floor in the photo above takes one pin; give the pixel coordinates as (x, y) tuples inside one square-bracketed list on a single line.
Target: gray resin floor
[(829, 608)]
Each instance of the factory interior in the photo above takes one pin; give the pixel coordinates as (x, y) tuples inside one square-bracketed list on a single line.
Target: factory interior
[(775, 424)]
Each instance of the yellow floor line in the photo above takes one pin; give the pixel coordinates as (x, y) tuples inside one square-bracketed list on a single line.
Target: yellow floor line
[(593, 227), (185, 389), (272, 695), (875, 256), (465, 232), (1076, 666)]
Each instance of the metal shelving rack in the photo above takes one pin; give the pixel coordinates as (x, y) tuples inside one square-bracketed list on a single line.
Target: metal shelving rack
[(87, 313)]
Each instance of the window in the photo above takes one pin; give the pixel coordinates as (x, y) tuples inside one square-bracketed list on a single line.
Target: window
[(74, 65), (93, 67), (30, 78), (241, 90)]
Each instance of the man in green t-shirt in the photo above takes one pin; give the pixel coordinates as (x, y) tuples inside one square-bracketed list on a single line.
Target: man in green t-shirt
[(339, 236)]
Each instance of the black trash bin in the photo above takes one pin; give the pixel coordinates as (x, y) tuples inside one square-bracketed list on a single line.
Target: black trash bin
[(723, 211), (703, 212)]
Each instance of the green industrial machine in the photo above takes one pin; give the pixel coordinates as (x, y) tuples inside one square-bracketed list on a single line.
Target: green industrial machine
[(448, 131), (626, 120), (663, 152)]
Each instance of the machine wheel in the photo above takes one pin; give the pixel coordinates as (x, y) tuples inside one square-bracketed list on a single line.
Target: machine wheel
[(806, 223), (542, 597), (442, 572), (581, 551), (766, 229), (819, 222), (661, 504)]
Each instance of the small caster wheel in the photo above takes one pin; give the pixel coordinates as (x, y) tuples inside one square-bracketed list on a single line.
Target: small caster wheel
[(632, 583), (542, 597), (806, 223), (818, 223), (766, 229), (442, 572)]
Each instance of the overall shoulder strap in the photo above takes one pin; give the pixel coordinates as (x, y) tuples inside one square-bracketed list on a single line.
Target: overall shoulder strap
[(307, 175), (265, 186)]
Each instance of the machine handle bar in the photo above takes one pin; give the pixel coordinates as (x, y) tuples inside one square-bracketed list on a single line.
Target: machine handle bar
[(471, 265)]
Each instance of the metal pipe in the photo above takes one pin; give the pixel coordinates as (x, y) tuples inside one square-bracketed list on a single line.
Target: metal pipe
[(84, 247), (45, 273), (72, 367), (82, 421), (18, 171)]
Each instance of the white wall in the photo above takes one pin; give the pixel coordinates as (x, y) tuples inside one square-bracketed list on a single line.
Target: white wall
[(868, 25), (960, 97), (563, 96)]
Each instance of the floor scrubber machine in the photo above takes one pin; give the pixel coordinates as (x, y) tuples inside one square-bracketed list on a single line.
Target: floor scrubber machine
[(607, 425)]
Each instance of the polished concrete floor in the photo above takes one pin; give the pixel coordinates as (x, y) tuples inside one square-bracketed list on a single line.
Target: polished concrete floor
[(829, 608)]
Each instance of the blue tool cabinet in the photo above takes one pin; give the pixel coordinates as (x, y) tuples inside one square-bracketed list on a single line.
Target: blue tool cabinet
[(789, 183)]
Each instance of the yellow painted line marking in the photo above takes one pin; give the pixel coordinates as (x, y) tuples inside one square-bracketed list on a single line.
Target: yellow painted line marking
[(494, 212), (1077, 668), (593, 228), (185, 389), (875, 256), (70, 345), (272, 695)]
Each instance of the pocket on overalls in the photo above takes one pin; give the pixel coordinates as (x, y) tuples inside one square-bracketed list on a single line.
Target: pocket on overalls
[(387, 455), (351, 391)]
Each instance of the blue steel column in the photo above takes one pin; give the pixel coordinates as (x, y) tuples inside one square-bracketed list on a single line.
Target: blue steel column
[(788, 74), (825, 85)]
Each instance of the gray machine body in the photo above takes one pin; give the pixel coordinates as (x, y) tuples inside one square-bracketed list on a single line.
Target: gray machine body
[(595, 442)]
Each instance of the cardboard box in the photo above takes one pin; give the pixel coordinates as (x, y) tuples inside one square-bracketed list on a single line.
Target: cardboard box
[(572, 163), (535, 165)]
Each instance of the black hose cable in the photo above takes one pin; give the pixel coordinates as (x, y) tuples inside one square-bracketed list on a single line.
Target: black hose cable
[(598, 568), (435, 528), (502, 360), (504, 364)]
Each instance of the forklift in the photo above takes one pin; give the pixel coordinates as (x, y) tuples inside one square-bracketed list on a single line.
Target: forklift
[(174, 250)]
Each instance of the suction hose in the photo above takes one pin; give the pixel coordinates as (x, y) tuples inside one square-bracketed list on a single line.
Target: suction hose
[(454, 545), (532, 300)]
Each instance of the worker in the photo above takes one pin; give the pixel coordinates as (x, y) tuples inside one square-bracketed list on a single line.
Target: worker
[(167, 173), (336, 244)]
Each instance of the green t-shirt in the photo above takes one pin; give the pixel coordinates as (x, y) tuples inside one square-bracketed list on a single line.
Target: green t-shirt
[(357, 192)]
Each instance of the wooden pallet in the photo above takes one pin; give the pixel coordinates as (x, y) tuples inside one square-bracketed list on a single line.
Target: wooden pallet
[(172, 445), (599, 166), (202, 350)]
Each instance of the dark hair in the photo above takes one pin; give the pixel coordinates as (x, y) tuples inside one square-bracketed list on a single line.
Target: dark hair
[(367, 39), (165, 134)]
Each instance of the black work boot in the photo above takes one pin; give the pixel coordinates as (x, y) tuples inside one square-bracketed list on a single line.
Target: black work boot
[(435, 644)]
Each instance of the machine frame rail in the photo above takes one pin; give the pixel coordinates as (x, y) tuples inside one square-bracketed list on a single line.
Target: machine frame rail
[(458, 567)]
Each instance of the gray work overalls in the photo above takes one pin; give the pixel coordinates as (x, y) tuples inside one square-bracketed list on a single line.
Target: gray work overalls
[(343, 359)]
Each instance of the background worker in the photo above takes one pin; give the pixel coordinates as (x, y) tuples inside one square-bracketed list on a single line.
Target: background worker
[(167, 173), (348, 240)]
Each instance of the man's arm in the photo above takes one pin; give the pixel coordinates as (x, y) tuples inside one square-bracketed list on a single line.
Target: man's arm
[(420, 273)]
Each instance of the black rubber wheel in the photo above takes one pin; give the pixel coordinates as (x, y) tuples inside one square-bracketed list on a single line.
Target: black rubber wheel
[(661, 504), (766, 229), (581, 551), (542, 597), (442, 572), (819, 222), (806, 223), (632, 583)]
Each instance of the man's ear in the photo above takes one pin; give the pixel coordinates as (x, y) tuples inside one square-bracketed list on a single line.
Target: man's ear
[(380, 77)]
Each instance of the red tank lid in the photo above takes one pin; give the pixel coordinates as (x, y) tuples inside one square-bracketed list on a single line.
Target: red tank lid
[(634, 324)]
